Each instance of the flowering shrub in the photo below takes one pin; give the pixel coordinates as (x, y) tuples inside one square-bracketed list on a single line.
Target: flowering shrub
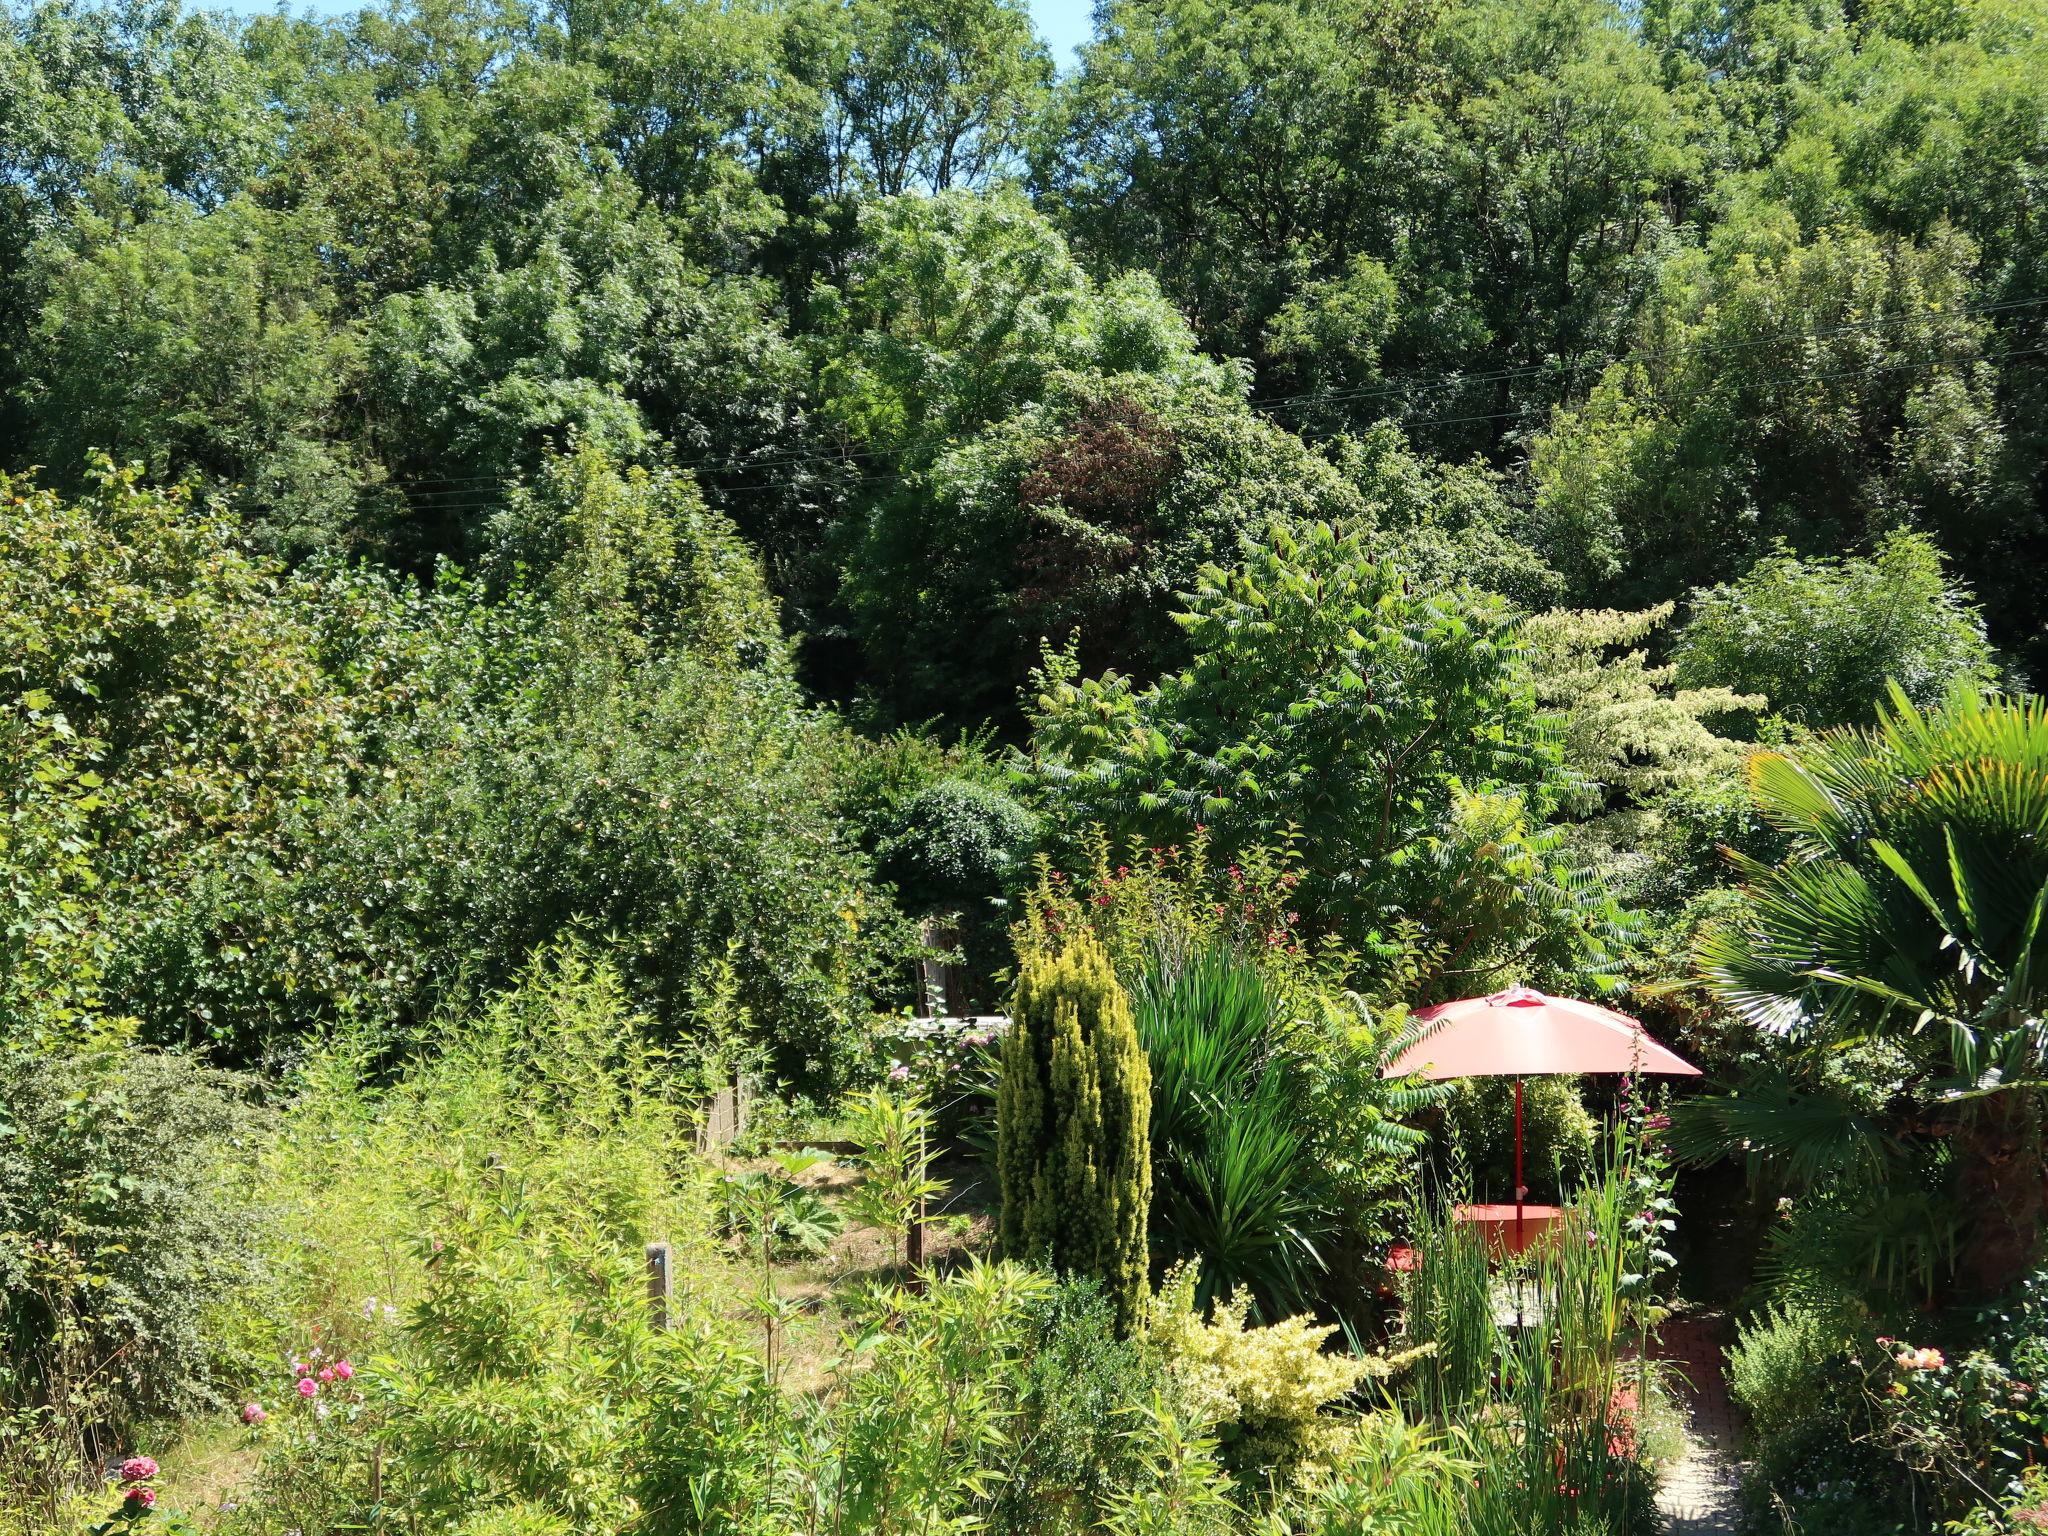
[(1886, 1434), (320, 1439), (125, 1214), (952, 1064), (2023, 1512), (1967, 1426), (136, 1477), (1173, 896)]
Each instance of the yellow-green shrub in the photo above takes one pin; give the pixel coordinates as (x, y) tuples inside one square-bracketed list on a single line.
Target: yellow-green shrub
[(1263, 1388), (1074, 1123)]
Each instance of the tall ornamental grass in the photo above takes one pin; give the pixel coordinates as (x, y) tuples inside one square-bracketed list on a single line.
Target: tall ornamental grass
[(1536, 1362)]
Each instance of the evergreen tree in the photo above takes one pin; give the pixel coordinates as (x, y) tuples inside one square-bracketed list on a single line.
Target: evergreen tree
[(1074, 1123)]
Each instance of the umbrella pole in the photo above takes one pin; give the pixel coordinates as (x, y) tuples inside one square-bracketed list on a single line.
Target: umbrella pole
[(1521, 1190), (1521, 1241)]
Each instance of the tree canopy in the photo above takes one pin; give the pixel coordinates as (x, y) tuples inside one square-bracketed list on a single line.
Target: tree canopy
[(715, 469)]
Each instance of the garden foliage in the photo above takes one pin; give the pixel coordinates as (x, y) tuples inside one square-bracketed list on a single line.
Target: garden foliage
[(556, 559), (1073, 1120)]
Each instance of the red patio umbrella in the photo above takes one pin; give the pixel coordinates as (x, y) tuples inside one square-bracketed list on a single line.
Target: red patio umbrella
[(1521, 1033)]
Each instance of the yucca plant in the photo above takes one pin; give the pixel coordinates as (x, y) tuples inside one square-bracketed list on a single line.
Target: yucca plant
[(1235, 1181), (1906, 923)]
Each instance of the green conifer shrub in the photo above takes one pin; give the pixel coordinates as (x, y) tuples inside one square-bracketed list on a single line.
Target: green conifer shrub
[(1073, 1119)]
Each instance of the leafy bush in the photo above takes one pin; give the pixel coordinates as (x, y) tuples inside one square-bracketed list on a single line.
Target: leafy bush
[(1079, 1397), (494, 1199), (959, 850), (771, 1213), (1786, 1369), (1391, 735), (1263, 1389), (1819, 639), (1392, 1474), (2024, 1510), (554, 1086), (129, 1222), (165, 716), (961, 844), (1559, 1135)]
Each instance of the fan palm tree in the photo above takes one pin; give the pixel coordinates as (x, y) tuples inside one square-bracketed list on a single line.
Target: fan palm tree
[(1906, 924)]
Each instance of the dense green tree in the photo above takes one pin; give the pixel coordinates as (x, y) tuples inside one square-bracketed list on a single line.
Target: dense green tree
[(1079, 516), (932, 94), (1082, 456), (957, 309), (103, 108), (247, 800), (165, 716), (207, 345), (1354, 193), (697, 94), (1821, 640), (635, 758), (1819, 392), (1234, 149), (1448, 523), (1073, 1124), (1390, 735)]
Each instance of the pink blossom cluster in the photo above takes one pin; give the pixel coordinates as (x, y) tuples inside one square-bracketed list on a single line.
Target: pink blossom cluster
[(1907, 1358), (136, 1473), (312, 1376), (309, 1376)]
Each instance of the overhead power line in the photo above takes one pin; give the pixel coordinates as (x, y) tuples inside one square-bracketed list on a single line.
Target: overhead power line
[(461, 494)]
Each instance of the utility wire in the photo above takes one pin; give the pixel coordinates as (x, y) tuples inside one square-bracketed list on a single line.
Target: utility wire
[(473, 493)]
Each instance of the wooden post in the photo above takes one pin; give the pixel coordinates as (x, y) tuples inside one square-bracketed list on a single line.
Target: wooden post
[(913, 1246), (660, 1285), (719, 1125)]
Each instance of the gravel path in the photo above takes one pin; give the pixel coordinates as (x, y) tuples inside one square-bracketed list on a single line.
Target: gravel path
[(1699, 1495)]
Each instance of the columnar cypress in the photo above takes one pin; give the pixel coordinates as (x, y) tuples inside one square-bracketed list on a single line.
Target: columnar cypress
[(1074, 1120)]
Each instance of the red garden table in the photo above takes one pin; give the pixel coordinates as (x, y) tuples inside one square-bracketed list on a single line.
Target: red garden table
[(1509, 1229)]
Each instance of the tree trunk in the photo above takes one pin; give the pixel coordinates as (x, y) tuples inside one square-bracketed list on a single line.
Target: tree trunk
[(2002, 1189)]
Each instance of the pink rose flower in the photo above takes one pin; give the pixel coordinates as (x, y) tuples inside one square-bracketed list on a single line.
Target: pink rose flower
[(343, 1369), (252, 1413), (308, 1387), (138, 1469), (327, 1373)]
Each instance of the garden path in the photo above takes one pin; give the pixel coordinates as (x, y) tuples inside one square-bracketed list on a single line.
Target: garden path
[(1699, 1494)]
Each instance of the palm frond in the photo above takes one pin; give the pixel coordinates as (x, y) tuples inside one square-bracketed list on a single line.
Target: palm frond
[(1808, 1138)]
